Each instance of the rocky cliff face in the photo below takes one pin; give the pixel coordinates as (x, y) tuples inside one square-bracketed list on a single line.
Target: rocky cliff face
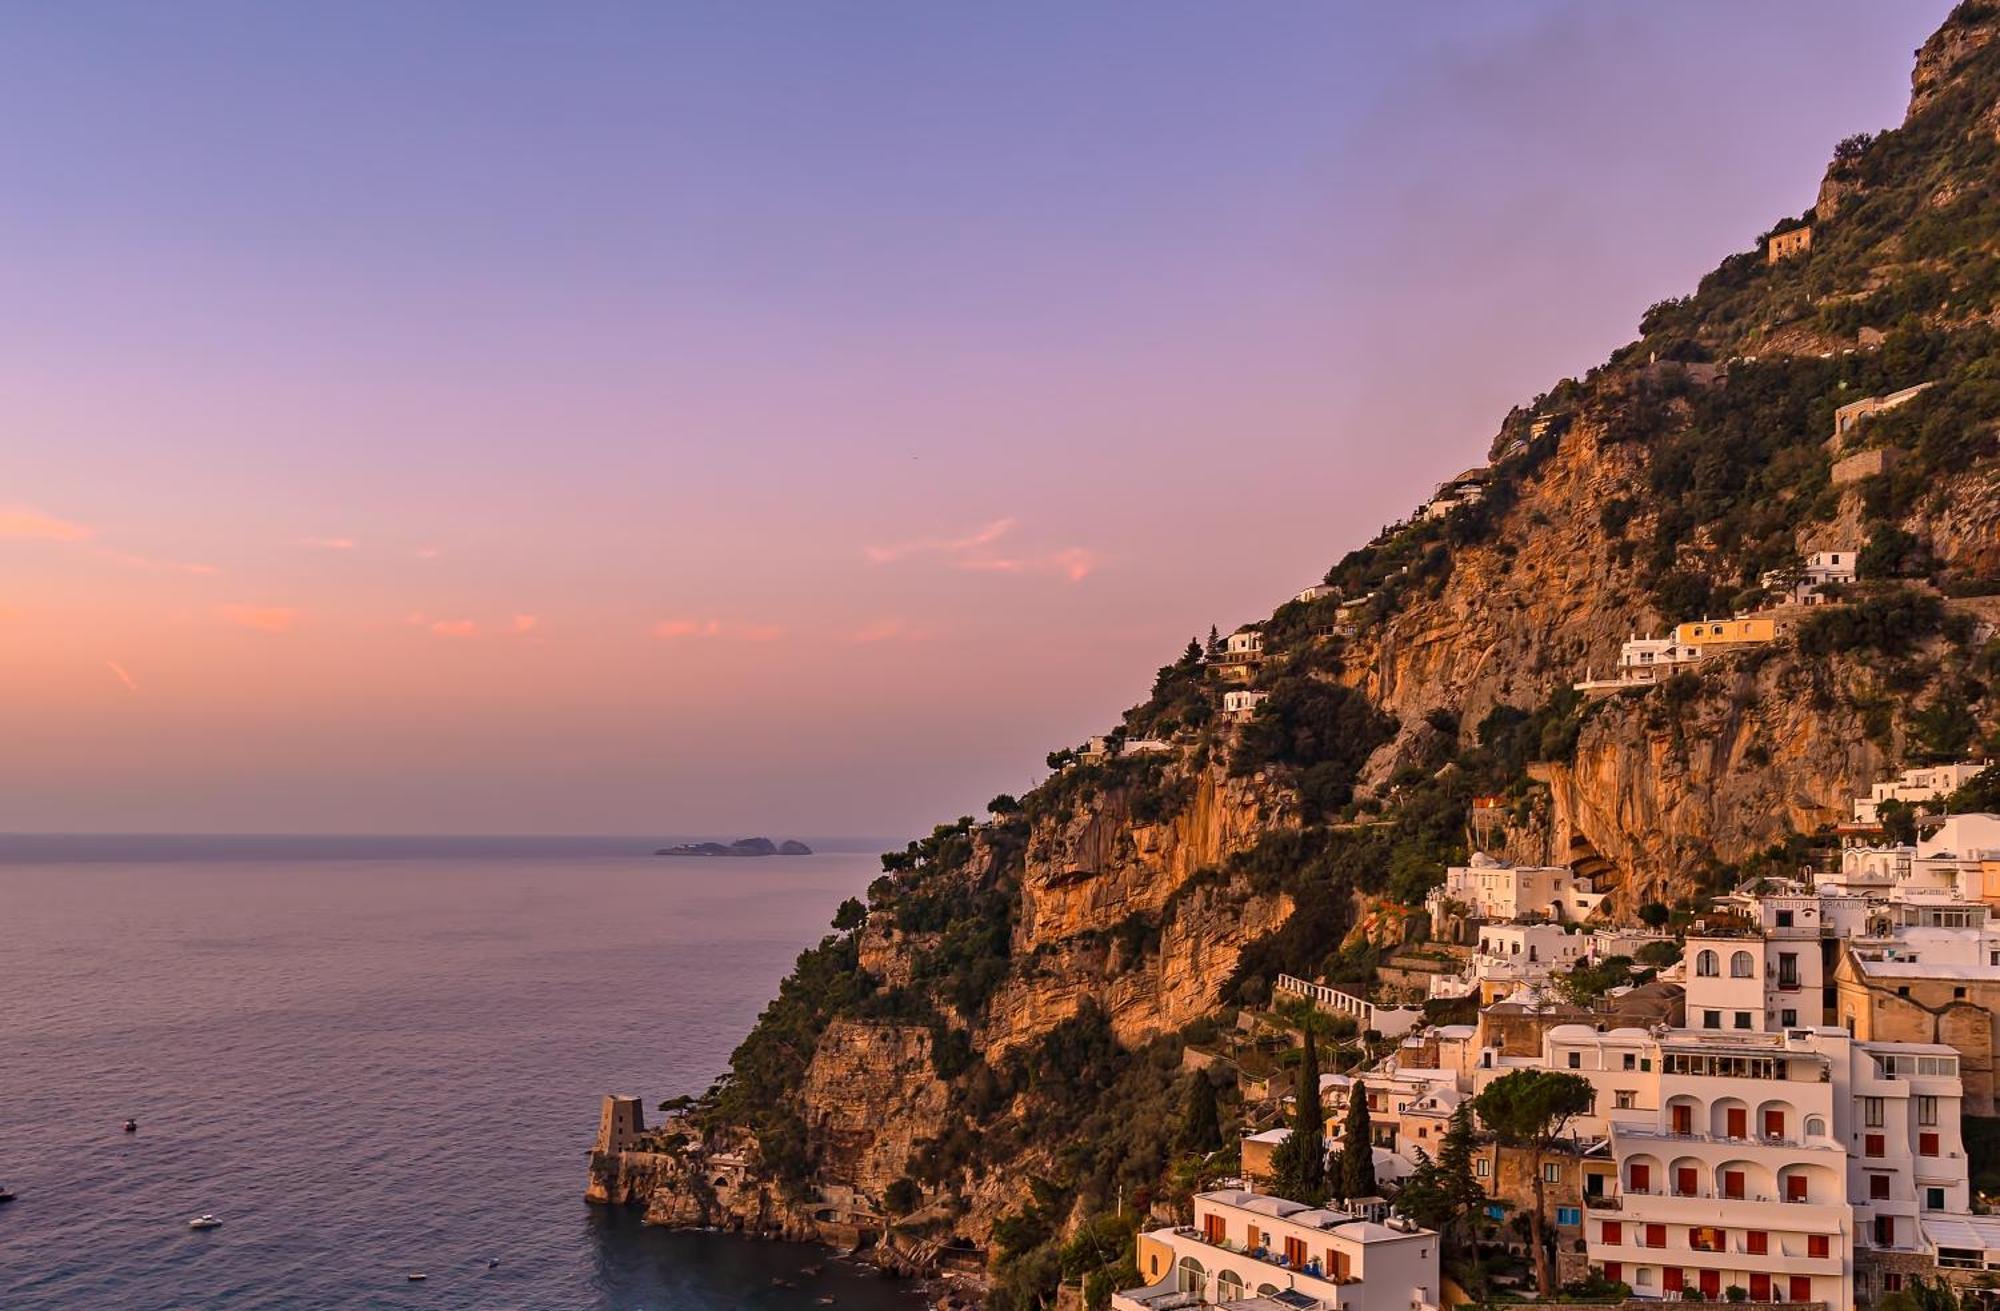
[(945, 1051)]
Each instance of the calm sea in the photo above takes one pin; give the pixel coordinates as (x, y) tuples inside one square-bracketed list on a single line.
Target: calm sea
[(373, 1057)]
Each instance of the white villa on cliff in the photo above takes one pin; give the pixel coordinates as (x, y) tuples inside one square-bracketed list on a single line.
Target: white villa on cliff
[(1801, 585), (1264, 1253), (1929, 783)]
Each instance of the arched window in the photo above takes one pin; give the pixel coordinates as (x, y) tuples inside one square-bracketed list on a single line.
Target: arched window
[(1192, 1278), (1741, 966), (1815, 1127), (1706, 964), (1228, 1286)]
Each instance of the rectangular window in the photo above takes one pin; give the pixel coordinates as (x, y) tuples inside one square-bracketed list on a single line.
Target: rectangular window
[(1885, 1231), (1295, 1252), (1801, 1288), (1711, 1019), (1672, 1281), (1795, 1188), (1706, 1238), (1927, 1144), (1743, 1019), (1656, 1236), (1684, 1181), (1631, 1061), (1927, 1110), (1569, 1215), (1774, 1124), (1576, 1060), (1933, 1199), (1732, 1184), (1892, 1282), (1878, 1187), (1642, 1178), (1873, 1144), (1614, 1272), (1760, 1288), (1790, 1019), (1214, 1228), (1623, 1099), (1552, 1173), (1612, 1233), (1756, 1242), (1784, 919), (1871, 1112), (1482, 1167), (1818, 1245)]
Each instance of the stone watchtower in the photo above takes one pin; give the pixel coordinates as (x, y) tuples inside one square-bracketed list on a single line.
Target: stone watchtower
[(619, 1128)]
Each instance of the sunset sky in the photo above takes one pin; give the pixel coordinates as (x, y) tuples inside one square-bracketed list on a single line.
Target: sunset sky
[(787, 418)]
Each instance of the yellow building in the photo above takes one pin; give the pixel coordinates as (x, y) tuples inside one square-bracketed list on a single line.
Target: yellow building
[(1784, 245), (1726, 632)]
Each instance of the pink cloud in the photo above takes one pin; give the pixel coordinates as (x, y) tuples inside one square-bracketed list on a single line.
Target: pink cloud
[(426, 552), (985, 536), (123, 677), (261, 618), (524, 624), (157, 566), (669, 630), (1074, 563), (328, 543), (21, 523), (455, 628)]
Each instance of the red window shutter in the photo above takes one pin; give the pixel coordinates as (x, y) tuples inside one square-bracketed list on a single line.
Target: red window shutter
[(1801, 1290), (1614, 1233), (1760, 1288), (1774, 1124), (1817, 1245), (1670, 1279), (1711, 1284), (1614, 1271), (1656, 1235), (1642, 1176), (1878, 1186), (1756, 1242), (1684, 1181), (1739, 1122), (1871, 1144), (1795, 1188), (1927, 1144), (1683, 1119), (1732, 1183)]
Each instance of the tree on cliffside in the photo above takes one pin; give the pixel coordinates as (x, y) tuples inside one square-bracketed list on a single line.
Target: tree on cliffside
[(1298, 1167), (1529, 1110), (1357, 1151), (1201, 1120)]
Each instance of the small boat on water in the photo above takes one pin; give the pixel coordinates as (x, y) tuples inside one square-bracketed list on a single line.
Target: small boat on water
[(6, 1196), (205, 1221), (416, 1278), (131, 1126)]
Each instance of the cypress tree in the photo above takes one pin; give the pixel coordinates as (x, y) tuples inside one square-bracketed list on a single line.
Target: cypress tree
[(1201, 1119), (1357, 1152)]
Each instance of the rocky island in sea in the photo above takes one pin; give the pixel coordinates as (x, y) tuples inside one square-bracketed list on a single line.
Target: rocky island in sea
[(1054, 1047), (740, 847)]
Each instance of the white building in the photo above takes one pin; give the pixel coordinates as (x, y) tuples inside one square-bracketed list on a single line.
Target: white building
[(1243, 1245), (1316, 592), (1495, 890), (1644, 661), (1801, 585), (1927, 783), (1242, 703), (1779, 1163), (1469, 488)]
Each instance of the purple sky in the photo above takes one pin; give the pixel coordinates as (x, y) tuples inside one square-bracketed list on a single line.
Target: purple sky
[(722, 418)]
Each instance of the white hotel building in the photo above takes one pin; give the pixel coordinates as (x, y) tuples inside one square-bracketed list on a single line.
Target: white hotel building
[(1245, 1246)]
